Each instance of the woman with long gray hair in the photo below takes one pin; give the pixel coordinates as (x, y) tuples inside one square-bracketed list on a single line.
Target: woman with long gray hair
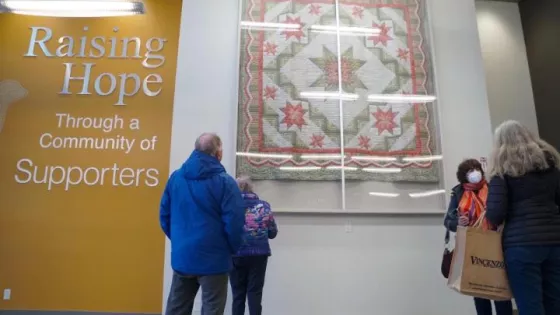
[(249, 265), (524, 194)]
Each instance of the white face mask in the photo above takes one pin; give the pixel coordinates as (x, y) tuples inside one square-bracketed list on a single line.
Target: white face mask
[(474, 177)]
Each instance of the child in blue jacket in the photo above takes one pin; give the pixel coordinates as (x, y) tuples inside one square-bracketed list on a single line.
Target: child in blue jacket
[(249, 264)]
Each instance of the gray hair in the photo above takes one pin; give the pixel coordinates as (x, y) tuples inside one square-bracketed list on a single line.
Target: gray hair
[(245, 184), (517, 151), (209, 143)]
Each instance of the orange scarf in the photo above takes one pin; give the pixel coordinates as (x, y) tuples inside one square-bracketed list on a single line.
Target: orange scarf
[(473, 203)]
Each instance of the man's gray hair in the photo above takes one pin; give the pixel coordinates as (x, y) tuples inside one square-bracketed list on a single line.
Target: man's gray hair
[(245, 184), (209, 143)]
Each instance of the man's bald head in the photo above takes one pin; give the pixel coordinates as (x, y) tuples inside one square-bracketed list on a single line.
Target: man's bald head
[(209, 143)]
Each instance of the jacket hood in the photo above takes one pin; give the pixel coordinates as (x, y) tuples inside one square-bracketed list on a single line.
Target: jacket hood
[(249, 196), (201, 165), (251, 199)]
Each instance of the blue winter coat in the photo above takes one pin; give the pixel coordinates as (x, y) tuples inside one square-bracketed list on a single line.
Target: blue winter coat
[(202, 212)]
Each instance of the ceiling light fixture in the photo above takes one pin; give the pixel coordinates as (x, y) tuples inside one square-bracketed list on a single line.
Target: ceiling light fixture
[(61, 8)]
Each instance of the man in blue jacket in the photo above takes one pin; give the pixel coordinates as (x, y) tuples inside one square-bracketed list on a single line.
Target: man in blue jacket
[(202, 212)]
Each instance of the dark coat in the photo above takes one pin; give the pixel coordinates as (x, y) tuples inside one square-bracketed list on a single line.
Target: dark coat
[(528, 205), (452, 217)]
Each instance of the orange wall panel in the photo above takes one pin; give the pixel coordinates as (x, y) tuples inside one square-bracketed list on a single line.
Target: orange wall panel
[(79, 218)]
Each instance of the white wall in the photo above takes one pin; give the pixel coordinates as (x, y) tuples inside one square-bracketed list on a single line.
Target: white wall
[(387, 265), (206, 85), (510, 93)]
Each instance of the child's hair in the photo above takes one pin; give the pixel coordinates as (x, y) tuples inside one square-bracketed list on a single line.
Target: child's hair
[(244, 183)]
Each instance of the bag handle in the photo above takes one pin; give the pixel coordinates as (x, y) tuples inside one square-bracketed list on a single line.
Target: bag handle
[(447, 245), (481, 218), (478, 223)]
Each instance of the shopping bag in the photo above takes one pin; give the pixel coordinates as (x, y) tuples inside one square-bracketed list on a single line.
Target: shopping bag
[(477, 267)]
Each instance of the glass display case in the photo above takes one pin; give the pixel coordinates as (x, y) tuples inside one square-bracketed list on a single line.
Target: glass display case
[(337, 106)]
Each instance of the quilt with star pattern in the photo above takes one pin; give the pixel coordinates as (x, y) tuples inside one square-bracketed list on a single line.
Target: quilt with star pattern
[(284, 128)]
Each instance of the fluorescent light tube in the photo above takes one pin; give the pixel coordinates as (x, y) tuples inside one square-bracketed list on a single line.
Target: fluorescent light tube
[(251, 24), (423, 158), (346, 30), (388, 170), (321, 156), (330, 95), (401, 98), (427, 193), (264, 155), (374, 158), (91, 8), (382, 194), (299, 168), (346, 168)]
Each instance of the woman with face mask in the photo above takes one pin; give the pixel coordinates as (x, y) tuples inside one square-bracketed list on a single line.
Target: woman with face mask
[(468, 201)]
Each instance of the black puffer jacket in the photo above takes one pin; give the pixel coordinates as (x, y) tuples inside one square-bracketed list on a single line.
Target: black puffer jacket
[(529, 207)]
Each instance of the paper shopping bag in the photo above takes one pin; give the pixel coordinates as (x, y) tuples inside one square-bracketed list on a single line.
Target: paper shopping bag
[(478, 267)]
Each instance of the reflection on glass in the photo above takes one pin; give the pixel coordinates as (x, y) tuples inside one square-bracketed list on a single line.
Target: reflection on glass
[(346, 168), (427, 193), (289, 103), (423, 158), (268, 25), (382, 194), (391, 131), (374, 158), (382, 169), (321, 156), (299, 168), (337, 101), (265, 155), (345, 31), (401, 98), (330, 95)]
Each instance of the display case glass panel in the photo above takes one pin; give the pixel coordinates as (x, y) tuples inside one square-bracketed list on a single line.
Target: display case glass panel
[(337, 106)]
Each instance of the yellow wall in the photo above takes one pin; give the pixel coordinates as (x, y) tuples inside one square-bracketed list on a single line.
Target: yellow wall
[(83, 247)]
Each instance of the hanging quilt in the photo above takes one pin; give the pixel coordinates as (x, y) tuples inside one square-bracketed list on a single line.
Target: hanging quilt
[(283, 127)]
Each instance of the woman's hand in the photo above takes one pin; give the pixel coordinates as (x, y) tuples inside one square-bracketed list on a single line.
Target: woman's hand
[(464, 221)]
